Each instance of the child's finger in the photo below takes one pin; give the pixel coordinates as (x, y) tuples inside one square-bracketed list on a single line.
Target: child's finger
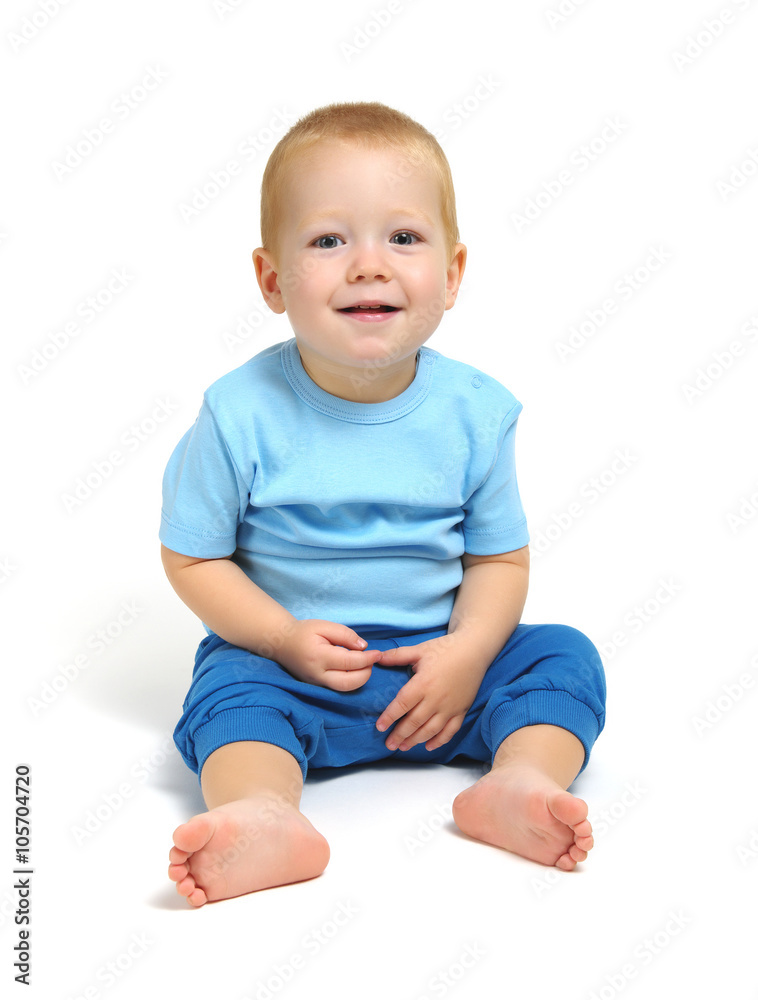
[(346, 680), (397, 708), (339, 658), (445, 734), (408, 734), (400, 656), (342, 635)]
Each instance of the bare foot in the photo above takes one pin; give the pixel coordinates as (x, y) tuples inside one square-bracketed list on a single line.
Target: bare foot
[(243, 846), (520, 808)]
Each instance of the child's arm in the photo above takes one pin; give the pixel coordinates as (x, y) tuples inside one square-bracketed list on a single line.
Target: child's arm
[(222, 596), (448, 671)]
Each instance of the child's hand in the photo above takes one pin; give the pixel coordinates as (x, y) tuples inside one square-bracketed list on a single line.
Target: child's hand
[(325, 653), (434, 702)]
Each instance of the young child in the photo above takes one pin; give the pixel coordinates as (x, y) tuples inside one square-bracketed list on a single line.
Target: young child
[(344, 518)]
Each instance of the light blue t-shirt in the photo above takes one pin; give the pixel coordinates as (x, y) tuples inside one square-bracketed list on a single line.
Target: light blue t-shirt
[(356, 513)]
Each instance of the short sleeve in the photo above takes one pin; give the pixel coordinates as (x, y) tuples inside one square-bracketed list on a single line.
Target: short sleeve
[(494, 519), (204, 494)]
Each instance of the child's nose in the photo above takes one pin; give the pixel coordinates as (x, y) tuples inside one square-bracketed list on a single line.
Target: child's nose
[(369, 263)]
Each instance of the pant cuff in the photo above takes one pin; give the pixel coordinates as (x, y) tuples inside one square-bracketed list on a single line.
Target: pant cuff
[(546, 706), (259, 723)]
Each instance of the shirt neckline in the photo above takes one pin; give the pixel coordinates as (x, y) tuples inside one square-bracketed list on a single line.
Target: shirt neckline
[(345, 409)]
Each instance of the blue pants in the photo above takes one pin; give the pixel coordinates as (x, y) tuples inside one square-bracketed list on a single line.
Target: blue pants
[(544, 674)]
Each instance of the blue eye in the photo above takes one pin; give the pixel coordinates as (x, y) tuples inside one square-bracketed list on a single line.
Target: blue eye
[(327, 242), (404, 239)]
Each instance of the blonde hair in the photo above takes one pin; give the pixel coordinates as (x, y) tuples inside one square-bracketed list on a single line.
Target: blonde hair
[(367, 124)]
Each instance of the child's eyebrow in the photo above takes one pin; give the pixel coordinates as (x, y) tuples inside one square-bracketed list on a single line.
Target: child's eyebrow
[(334, 214), (414, 213), (316, 217)]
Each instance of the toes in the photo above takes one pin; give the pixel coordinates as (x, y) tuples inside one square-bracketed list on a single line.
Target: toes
[(577, 853), (177, 872), (583, 830), (187, 887), (191, 891), (565, 862), (571, 811), (568, 861), (177, 857), (197, 898), (193, 835), (585, 843)]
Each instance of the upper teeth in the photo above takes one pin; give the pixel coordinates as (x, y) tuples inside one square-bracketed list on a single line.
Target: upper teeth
[(369, 307)]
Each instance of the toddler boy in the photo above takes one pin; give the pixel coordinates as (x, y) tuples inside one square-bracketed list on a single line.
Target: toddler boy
[(344, 517)]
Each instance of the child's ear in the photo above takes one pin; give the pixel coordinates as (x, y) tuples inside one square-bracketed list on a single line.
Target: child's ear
[(455, 274), (268, 279)]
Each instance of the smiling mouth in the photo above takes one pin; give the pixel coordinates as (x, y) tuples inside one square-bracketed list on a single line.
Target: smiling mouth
[(369, 309)]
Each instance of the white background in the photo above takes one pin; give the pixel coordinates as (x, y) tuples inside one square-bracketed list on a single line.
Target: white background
[(650, 564)]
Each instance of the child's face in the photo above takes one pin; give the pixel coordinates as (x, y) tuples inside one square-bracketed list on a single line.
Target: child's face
[(362, 267)]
